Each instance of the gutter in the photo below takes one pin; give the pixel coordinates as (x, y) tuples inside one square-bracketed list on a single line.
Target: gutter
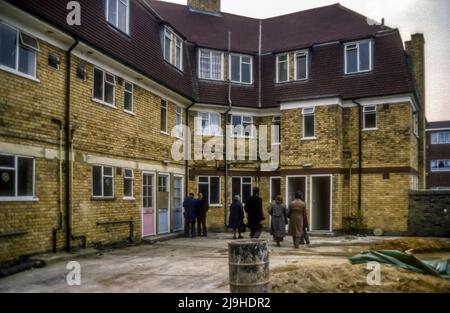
[(225, 138), (186, 158)]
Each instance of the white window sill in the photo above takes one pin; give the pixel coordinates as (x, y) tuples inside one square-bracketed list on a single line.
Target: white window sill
[(276, 144), (369, 129), (309, 138), (242, 137), (209, 135), (112, 106), (242, 83), (129, 198), (215, 205), (211, 79), (360, 72), (19, 199), (130, 112), (17, 73), (440, 171), (164, 133), (301, 79)]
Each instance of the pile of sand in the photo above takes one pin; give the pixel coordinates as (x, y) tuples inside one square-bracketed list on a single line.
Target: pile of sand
[(347, 278), (416, 245)]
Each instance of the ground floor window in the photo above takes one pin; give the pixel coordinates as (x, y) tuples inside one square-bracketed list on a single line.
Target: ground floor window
[(209, 186), (16, 177), (242, 187), (102, 181), (128, 183)]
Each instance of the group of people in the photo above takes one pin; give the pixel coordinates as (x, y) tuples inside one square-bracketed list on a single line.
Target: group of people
[(195, 211), (293, 215)]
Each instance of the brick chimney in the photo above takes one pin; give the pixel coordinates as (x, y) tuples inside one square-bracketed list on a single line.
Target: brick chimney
[(415, 49), (206, 6)]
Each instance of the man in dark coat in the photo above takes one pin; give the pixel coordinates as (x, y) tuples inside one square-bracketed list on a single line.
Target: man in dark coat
[(201, 211), (255, 214), (189, 205)]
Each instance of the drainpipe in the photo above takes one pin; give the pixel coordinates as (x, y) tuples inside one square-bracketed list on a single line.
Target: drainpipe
[(186, 159), (360, 141), (60, 183), (68, 145), (225, 137)]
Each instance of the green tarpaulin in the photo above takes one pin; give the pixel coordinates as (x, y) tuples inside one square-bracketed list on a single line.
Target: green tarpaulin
[(406, 261)]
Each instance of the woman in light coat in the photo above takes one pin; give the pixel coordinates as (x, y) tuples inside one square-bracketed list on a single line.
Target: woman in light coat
[(278, 211), (296, 214)]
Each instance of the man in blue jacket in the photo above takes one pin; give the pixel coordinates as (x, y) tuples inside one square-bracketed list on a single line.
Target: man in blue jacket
[(189, 205)]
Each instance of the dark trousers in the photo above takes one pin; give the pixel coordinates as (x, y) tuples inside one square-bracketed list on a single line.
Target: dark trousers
[(201, 226), (189, 227), (305, 238), (255, 231)]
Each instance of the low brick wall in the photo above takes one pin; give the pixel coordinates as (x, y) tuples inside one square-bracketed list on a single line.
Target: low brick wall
[(429, 213)]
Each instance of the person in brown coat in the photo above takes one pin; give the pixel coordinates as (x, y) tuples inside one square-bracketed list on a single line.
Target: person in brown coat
[(296, 214)]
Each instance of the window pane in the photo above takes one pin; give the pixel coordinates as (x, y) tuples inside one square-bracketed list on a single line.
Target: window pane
[(8, 41), (236, 187), (7, 183), (204, 65), (237, 125), (109, 93), (204, 189), (128, 173), (301, 67), (128, 187), (25, 177), (98, 84), (216, 65), (97, 181), (112, 11), (246, 192), (178, 55), (167, 46), (370, 120), (235, 68), (364, 56), (309, 126), (107, 171), (108, 186), (282, 70), (215, 124), (215, 190), (203, 180), (27, 61), (352, 60), (246, 73), (122, 17), (164, 116), (7, 161), (128, 105)]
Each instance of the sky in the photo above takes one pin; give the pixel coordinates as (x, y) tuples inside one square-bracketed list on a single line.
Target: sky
[(430, 17)]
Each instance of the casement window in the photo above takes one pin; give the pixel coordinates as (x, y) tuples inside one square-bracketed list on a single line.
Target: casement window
[(241, 68), (242, 125), (128, 97), (102, 181), (358, 57), (128, 178), (276, 130), (309, 127), (172, 48), (118, 14), (440, 138), (210, 188), (104, 87), (208, 124), (282, 68), (16, 178), (301, 65), (164, 116), (18, 51), (210, 64), (242, 187), (179, 121), (370, 117), (440, 165)]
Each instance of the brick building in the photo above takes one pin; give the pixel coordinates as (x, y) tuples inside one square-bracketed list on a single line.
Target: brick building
[(87, 112), (438, 155)]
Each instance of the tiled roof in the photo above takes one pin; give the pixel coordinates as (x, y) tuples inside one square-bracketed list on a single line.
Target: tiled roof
[(142, 49)]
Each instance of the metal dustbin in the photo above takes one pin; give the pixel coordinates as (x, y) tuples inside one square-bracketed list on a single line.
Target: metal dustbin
[(249, 266)]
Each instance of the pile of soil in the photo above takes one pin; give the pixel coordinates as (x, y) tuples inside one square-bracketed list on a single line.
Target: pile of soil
[(416, 245), (347, 278)]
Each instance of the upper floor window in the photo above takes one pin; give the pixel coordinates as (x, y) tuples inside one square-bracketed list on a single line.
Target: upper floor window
[(358, 57), (440, 166), (301, 65), (104, 87), (18, 51), (208, 124), (164, 116), (172, 48), (241, 68), (242, 125), (128, 97), (179, 121), (440, 138), (16, 177), (103, 181), (118, 14), (210, 64), (276, 130), (370, 117), (309, 127), (282, 68)]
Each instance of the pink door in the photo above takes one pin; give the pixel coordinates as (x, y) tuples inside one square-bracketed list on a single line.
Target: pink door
[(148, 205)]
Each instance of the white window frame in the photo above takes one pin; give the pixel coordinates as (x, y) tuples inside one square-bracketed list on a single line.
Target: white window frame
[(179, 122), (125, 91), (116, 23), (20, 42), (209, 132), (165, 105), (416, 123), (104, 82), (103, 181), (297, 54), (366, 111), (438, 169), (438, 141), (309, 111), (209, 189), (241, 56), (276, 121), (211, 52), (242, 134), (175, 41), (131, 178), (278, 67), (241, 184), (357, 44), (414, 182), (16, 197)]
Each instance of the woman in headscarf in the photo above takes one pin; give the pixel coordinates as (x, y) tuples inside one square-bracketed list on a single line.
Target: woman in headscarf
[(236, 222), (279, 219)]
